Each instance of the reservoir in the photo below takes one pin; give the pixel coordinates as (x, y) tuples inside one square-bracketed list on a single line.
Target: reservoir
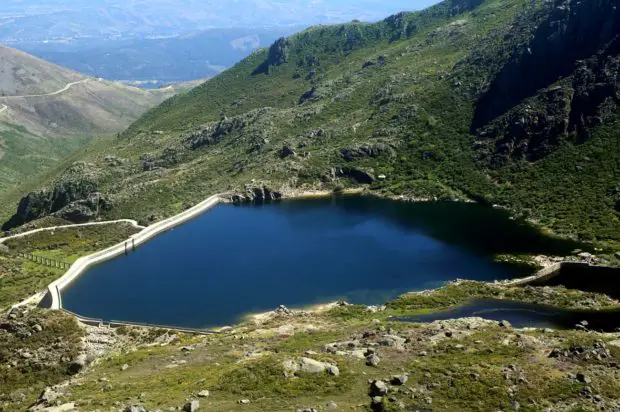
[(236, 260)]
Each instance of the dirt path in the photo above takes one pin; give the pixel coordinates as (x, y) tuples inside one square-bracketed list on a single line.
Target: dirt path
[(107, 222), (64, 89)]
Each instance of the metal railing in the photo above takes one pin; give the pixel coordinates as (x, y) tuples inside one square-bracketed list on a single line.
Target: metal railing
[(45, 261), (117, 323)]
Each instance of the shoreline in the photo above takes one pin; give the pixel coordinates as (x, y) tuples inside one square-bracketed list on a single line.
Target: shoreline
[(53, 299)]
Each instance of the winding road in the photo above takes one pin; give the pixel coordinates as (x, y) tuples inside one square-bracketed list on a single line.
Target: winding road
[(107, 222), (3, 107)]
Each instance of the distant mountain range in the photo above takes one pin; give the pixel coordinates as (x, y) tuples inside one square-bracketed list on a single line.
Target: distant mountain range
[(38, 20), (193, 56)]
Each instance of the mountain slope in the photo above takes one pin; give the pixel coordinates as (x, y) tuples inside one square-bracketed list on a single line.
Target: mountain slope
[(424, 99), (46, 111)]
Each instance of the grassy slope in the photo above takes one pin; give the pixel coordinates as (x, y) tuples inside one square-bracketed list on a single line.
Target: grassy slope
[(462, 372), (20, 278), (37, 132)]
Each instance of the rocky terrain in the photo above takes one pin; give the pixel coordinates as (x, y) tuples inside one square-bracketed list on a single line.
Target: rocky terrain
[(335, 357)]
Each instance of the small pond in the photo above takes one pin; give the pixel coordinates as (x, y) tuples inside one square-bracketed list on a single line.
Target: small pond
[(236, 260), (525, 315)]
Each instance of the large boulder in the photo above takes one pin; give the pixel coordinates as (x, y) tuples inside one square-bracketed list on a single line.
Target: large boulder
[(308, 365), (78, 364)]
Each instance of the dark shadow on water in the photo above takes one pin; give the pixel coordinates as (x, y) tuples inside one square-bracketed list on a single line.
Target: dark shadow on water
[(596, 279), (522, 315), (477, 227)]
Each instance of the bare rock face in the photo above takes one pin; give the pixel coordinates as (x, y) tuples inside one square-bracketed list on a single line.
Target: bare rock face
[(279, 52), (74, 196), (529, 108), (256, 193)]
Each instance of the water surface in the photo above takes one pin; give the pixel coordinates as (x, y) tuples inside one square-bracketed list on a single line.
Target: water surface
[(525, 315), (235, 260)]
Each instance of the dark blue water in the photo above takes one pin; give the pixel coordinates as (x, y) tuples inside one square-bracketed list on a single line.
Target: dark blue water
[(523, 315), (234, 260)]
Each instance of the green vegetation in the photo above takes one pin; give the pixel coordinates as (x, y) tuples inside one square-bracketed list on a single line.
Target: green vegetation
[(458, 293), (20, 278), (352, 102), (68, 244), (35, 352)]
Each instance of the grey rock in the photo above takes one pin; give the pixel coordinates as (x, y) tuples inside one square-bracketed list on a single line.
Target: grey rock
[(377, 403), (333, 370), (191, 406), (287, 151), (309, 365), (368, 150), (243, 401), (399, 380), (582, 377), (332, 405), (78, 364), (279, 52), (505, 324), (135, 408), (378, 388), (372, 360), (203, 394)]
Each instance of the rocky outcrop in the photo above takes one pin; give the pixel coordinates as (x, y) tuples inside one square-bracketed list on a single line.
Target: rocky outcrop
[(256, 193), (211, 134), (565, 111), (368, 150), (277, 55), (287, 151), (168, 158), (529, 108), (358, 175), (74, 197), (311, 95), (279, 52)]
